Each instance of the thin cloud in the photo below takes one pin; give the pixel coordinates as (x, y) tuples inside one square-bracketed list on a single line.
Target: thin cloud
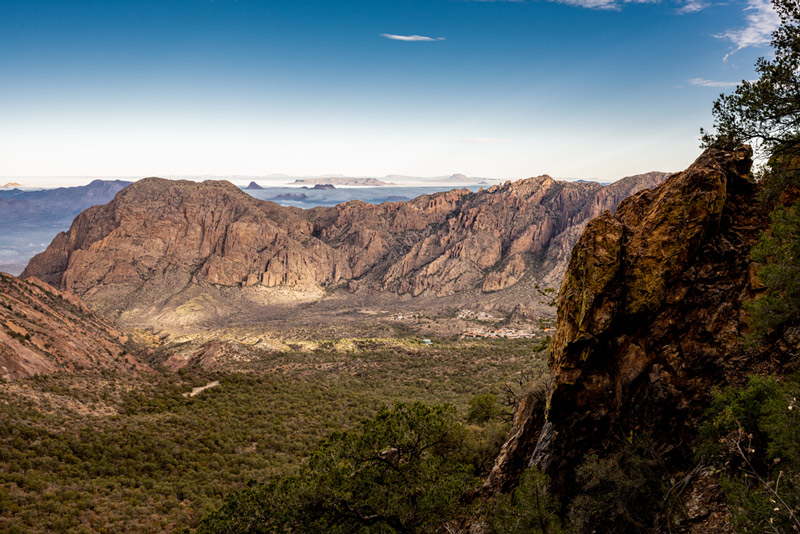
[(412, 38), (692, 6), (590, 4), (762, 20), (610, 5), (702, 82)]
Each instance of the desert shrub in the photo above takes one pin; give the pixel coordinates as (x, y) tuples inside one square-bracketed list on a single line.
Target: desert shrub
[(778, 254), (620, 493), (396, 472), (530, 509), (126, 471), (751, 433), (483, 408), (482, 444)]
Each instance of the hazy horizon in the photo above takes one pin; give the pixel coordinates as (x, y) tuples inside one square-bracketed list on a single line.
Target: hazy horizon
[(285, 180)]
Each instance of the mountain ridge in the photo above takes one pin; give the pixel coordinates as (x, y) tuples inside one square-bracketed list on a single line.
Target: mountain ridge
[(158, 236)]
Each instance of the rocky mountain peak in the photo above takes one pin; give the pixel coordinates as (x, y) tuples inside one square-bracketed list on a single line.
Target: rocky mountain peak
[(160, 240)]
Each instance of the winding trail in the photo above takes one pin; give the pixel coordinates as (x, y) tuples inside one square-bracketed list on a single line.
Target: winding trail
[(198, 390)]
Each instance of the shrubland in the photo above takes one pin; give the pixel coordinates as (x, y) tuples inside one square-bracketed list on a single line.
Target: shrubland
[(102, 452)]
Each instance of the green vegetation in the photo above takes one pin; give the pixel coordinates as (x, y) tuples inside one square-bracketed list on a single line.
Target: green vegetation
[(96, 452), (627, 491), (778, 253), (530, 509), (400, 471), (483, 407), (752, 436)]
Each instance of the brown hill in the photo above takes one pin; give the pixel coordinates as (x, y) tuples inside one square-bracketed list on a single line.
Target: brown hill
[(164, 244), (43, 330), (649, 322)]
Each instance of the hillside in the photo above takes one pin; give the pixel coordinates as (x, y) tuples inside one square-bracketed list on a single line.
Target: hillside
[(43, 330), (177, 252)]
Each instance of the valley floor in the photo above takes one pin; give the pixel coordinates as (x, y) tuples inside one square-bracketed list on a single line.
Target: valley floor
[(101, 452)]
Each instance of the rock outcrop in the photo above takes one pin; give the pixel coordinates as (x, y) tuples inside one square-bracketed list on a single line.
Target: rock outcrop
[(43, 330), (158, 237), (649, 320)]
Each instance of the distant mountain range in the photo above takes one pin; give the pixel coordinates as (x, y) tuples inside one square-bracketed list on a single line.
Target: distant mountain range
[(30, 219), (174, 251), (62, 203)]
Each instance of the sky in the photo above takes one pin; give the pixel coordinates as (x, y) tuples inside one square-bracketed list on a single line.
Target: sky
[(501, 89)]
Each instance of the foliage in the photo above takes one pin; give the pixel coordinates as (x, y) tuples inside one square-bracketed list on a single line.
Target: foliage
[(482, 444), (766, 110), (98, 451), (751, 432), (623, 492), (483, 407), (531, 509), (778, 253), (396, 472), (781, 174)]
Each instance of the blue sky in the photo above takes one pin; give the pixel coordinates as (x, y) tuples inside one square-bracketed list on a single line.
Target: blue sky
[(502, 89)]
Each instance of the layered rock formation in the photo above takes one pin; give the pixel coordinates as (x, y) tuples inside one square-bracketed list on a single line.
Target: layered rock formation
[(43, 330), (649, 320), (159, 237)]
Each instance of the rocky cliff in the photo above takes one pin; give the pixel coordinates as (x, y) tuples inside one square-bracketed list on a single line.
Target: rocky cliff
[(649, 321), (159, 237), (43, 330)]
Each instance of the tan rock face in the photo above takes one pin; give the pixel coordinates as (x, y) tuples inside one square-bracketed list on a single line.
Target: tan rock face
[(43, 330), (507, 277), (648, 317), (158, 237)]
